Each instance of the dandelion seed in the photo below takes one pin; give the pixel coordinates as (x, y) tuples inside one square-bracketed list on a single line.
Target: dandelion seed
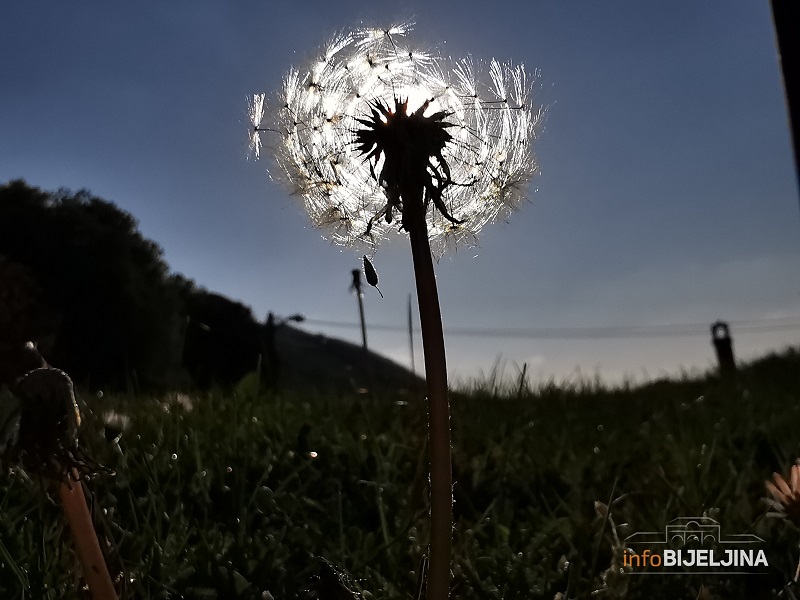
[(255, 110)]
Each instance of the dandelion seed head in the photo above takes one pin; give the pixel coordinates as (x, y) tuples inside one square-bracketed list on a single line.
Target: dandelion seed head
[(487, 111)]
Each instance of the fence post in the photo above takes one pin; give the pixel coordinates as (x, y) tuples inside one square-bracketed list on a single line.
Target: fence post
[(723, 344)]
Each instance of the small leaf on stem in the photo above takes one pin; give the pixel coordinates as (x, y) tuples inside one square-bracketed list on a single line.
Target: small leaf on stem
[(371, 274)]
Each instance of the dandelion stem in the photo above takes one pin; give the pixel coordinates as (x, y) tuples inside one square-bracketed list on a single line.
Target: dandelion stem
[(438, 586), (85, 539)]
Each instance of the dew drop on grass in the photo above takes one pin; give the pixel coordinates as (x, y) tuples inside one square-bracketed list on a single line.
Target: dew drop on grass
[(600, 428), (174, 456), (563, 564), (202, 473), (312, 454), (596, 450), (363, 437), (229, 469), (255, 419)]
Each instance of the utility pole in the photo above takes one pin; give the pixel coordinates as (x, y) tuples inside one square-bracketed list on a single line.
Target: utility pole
[(356, 287)]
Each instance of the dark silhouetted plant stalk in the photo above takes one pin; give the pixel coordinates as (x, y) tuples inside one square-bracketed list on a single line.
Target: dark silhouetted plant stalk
[(356, 287), (374, 130), (47, 447), (430, 317), (84, 537)]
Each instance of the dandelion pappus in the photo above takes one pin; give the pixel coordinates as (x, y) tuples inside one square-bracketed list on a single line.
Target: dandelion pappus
[(409, 129)]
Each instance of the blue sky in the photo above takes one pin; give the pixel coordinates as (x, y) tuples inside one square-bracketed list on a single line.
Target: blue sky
[(667, 193)]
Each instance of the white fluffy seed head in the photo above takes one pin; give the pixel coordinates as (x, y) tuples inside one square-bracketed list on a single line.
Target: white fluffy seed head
[(314, 119)]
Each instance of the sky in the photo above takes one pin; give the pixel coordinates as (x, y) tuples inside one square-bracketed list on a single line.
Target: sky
[(667, 197)]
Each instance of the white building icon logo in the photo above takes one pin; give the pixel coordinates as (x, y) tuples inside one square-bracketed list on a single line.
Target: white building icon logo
[(693, 544)]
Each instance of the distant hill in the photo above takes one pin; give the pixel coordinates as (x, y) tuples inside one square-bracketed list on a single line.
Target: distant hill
[(317, 361), (78, 278), (223, 342)]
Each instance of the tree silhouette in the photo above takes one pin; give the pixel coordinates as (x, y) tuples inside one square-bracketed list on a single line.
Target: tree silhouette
[(79, 279), (116, 306), (222, 339), (22, 318)]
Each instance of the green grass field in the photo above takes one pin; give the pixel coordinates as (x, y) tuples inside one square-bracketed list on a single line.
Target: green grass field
[(235, 496)]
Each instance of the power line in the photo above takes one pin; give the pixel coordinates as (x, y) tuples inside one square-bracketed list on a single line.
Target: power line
[(594, 333)]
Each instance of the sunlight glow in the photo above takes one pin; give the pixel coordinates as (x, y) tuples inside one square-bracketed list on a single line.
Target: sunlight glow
[(490, 156)]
